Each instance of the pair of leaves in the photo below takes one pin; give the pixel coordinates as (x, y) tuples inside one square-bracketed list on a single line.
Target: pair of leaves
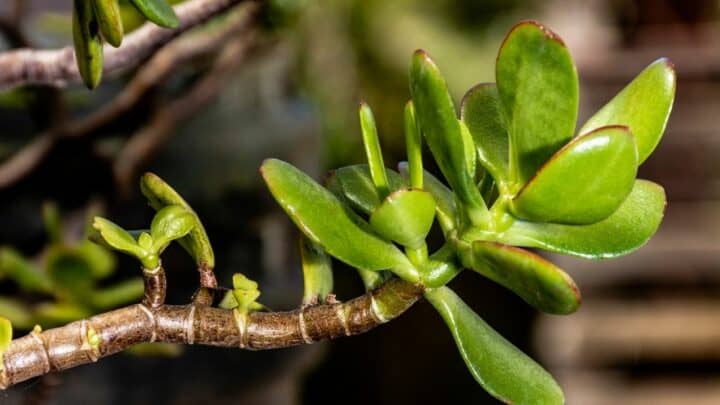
[(520, 125), (170, 223), (95, 20), (345, 236)]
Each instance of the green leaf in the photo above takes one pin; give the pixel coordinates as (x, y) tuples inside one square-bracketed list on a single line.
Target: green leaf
[(118, 294), (71, 274), (644, 106), (438, 122), (110, 20), (537, 281), (584, 182), (100, 260), (481, 110), (446, 208), (323, 219), (627, 229), (118, 238), (413, 145), (5, 339), (23, 272), (373, 151), (317, 272), (405, 217), (51, 314), (501, 369), (538, 86), (196, 243), (373, 279), (170, 223), (16, 312), (51, 220), (355, 185), (88, 43), (157, 11)]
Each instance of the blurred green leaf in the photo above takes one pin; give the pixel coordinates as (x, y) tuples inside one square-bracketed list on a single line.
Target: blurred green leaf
[(539, 282), (70, 273), (438, 122), (538, 86), (51, 220), (155, 349), (122, 293), (482, 112), (345, 237), (643, 105), (405, 217), (6, 331), (584, 182), (504, 371), (196, 243), (110, 20), (50, 314), (16, 312), (100, 260), (317, 272), (23, 272), (157, 11), (625, 230), (88, 43)]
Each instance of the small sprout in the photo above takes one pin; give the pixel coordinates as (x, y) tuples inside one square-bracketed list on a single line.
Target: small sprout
[(243, 297), (5, 339), (37, 329), (93, 339)]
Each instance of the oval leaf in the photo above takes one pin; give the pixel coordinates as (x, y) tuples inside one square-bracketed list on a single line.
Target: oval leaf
[(157, 11), (88, 43), (644, 106), (438, 122), (405, 217), (446, 208), (170, 223), (625, 230), (538, 86), (110, 20), (117, 238), (355, 184), (584, 182), (537, 281), (496, 364), (482, 112), (196, 243), (323, 219)]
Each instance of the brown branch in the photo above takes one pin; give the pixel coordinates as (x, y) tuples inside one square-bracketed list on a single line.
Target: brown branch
[(58, 68), (157, 70), (88, 340), (146, 142), (155, 287)]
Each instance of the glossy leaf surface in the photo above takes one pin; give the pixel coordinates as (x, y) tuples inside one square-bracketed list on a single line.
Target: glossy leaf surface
[(323, 219), (88, 43), (644, 106), (441, 128), (538, 86), (110, 20), (356, 186), (317, 272), (413, 145), (373, 150), (625, 230), (405, 217), (170, 223), (196, 243), (446, 207), (503, 371), (157, 11), (584, 182), (537, 281), (118, 238), (482, 112)]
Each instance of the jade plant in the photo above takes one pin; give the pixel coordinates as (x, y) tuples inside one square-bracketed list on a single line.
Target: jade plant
[(97, 21), (518, 176)]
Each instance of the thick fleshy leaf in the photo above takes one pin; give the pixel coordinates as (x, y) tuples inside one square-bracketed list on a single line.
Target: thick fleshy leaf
[(118, 238), (323, 219), (196, 243), (446, 208), (643, 105), (356, 186), (5, 338), (539, 282), (413, 145), (438, 122), (373, 151), (157, 11), (584, 182), (538, 86), (405, 217), (501, 369), (88, 43), (110, 20), (482, 112), (317, 272), (625, 230), (170, 223)]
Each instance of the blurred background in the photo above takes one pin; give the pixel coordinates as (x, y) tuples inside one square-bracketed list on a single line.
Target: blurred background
[(211, 105)]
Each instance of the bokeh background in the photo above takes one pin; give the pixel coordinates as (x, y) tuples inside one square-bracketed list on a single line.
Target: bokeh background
[(287, 85)]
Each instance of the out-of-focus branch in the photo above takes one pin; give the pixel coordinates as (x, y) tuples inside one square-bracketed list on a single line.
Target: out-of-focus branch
[(153, 73), (10, 25), (58, 68), (146, 142)]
